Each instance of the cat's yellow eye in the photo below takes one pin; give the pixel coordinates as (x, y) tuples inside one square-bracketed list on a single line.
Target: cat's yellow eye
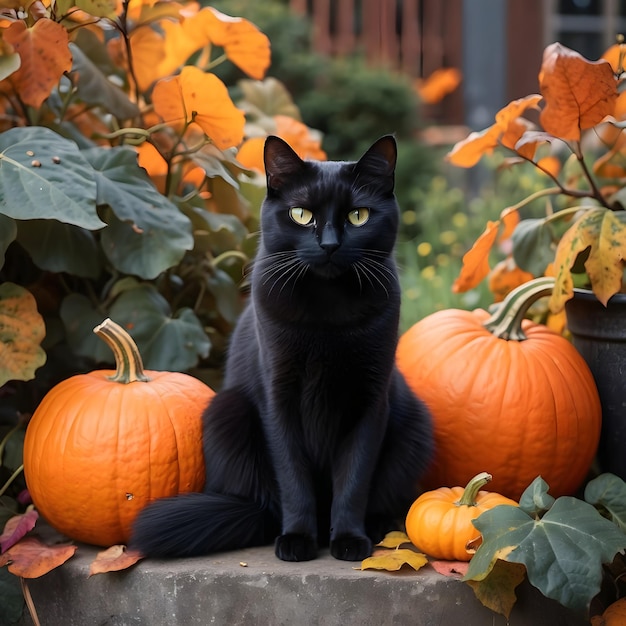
[(301, 216), (358, 217)]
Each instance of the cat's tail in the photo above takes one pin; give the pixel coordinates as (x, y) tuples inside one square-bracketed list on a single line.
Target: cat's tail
[(195, 524)]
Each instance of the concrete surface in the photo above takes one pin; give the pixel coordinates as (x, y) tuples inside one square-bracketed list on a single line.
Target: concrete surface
[(252, 587)]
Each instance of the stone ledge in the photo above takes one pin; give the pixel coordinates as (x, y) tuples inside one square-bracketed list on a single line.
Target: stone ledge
[(266, 591)]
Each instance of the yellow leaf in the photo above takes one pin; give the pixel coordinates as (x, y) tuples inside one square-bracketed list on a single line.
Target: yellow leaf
[(394, 539), (604, 234), (194, 96), (22, 330), (393, 560), (45, 56), (578, 93), (476, 260), (497, 590)]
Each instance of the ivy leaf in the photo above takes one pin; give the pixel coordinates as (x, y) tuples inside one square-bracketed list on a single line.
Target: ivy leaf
[(93, 87), (608, 492), (147, 233), (58, 247), (536, 500), (532, 245), (563, 552), (8, 233), (166, 342), (393, 560), (62, 187), (497, 590), (22, 330), (604, 232)]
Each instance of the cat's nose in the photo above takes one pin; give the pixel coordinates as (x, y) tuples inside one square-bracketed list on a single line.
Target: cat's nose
[(329, 240)]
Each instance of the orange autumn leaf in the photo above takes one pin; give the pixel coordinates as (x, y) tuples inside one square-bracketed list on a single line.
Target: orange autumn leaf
[(616, 55), (114, 559), (244, 44), (294, 132), (578, 93), (476, 260), (550, 164), (467, 152), (148, 53), (438, 85), (193, 96), (31, 558), (509, 218), (505, 277), (513, 133), (45, 56), (515, 109), (619, 112)]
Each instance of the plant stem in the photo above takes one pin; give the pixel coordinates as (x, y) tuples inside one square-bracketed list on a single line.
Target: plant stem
[(13, 476), (127, 358), (473, 487)]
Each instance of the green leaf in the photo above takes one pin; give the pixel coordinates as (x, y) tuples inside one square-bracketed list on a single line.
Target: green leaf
[(62, 187), (267, 98), (8, 233), (608, 492), (21, 332), (98, 8), (533, 245), (12, 604), (93, 87), (166, 342), (563, 552), (218, 163), (536, 500), (227, 295), (147, 233), (58, 247)]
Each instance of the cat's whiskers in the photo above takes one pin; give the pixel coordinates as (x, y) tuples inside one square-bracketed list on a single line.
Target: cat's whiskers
[(373, 270), (283, 267)]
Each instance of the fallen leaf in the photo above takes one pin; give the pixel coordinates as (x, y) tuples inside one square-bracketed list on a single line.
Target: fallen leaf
[(454, 569), (394, 560), (497, 590), (16, 527), (31, 558), (114, 559), (394, 539)]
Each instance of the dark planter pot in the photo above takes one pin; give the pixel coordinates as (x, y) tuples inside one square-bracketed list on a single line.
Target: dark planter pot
[(599, 334)]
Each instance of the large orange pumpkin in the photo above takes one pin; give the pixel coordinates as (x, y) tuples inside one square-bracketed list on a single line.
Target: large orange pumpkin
[(101, 445), (505, 393)]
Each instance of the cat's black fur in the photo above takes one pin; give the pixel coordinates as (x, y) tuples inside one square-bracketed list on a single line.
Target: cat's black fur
[(315, 437)]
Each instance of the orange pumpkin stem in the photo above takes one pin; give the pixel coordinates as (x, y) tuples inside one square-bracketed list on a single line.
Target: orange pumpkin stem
[(506, 322), (470, 493), (129, 366)]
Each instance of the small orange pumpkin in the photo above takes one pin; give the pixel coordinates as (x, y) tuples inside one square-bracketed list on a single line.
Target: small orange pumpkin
[(439, 522), (101, 445), (506, 393)]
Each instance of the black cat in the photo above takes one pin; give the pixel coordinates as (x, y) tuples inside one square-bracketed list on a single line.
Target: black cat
[(315, 437)]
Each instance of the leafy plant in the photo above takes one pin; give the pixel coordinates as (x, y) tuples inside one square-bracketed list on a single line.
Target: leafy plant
[(567, 545), (581, 236)]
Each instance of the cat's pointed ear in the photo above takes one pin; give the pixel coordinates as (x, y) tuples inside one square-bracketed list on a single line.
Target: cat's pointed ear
[(281, 162), (379, 162)]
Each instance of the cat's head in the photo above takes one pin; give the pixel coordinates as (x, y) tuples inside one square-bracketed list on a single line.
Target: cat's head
[(330, 218)]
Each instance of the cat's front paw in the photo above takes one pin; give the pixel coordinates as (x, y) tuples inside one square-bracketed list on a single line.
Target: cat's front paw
[(295, 547), (351, 548)]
